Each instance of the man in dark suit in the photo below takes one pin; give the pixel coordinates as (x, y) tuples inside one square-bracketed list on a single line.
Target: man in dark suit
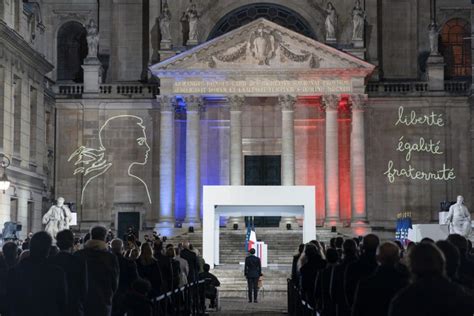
[(76, 272), (35, 286), (103, 270), (373, 295), (252, 271)]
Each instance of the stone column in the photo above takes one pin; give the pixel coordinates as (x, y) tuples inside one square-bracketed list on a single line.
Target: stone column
[(193, 179), (167, 165), (287, 103), (359, 213), (236, 103), (331, 103)]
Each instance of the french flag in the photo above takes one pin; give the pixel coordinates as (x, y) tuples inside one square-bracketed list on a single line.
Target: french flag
[(252, 240)]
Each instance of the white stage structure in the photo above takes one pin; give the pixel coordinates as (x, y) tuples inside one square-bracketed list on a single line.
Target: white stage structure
[(254, 201)]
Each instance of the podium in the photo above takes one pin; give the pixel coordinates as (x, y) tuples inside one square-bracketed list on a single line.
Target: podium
[(433, 231), (261, 251)]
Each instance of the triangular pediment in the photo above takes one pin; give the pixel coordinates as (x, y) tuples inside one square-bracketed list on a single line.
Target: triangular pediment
[(261, 46)]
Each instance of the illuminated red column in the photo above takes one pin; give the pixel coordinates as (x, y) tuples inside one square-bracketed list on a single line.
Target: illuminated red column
[(330, 104), (359, 213)]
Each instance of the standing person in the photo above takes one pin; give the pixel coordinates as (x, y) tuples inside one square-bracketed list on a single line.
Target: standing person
[(294, 266), (310, 265), (373, 295), (430, 292), (193, 263), (252, 271), (175, 269), (8, 260), (183, 267), (164, 265), (128, 274), (322, 298), (103, 271), (149, 269), (35, 286), (76, 272)]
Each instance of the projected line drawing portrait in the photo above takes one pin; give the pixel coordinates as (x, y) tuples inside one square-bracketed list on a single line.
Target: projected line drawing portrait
[(122, 145)]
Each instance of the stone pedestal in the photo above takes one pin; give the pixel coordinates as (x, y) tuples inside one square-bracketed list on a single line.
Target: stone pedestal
[(192, 42), (92, 75), (358, 43), (435, 71), (165, 54), (165, 44)]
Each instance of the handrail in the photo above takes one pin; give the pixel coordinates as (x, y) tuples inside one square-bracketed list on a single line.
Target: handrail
[(181, 289)]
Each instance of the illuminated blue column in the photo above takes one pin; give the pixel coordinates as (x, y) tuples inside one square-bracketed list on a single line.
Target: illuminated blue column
[(193, 148), (167, 166)]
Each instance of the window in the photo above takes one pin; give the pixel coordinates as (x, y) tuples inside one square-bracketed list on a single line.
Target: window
[(455, 46), (72, 49), (272, 12)]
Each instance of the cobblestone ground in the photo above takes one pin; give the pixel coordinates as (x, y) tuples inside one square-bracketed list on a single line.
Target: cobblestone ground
[(267, 306)]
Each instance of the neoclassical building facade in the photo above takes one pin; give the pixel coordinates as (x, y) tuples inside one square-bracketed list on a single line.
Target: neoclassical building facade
[(370, 103)]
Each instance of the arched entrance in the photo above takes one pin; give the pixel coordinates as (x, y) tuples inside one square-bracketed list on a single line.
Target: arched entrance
[(72, 49), (273, 12)]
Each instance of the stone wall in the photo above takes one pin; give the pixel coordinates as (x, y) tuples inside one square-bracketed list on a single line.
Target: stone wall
[(385, 198)]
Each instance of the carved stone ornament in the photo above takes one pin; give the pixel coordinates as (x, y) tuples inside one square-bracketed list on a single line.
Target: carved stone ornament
[(193, 103), (263, 45), (358, 102), (236, 102), (167, 103), (330, 102), (287, 102)]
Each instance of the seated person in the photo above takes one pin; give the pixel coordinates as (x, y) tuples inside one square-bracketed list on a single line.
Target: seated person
[(211, 283)]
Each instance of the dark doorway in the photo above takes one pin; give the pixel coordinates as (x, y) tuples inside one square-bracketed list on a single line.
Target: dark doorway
[(263, 170), (72, 49), (125, 220)]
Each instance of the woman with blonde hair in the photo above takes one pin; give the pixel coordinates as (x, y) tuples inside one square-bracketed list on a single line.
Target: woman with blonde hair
[(148, 269)]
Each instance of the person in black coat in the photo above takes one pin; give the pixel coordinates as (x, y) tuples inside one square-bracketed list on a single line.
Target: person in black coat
[(252, 271), (362, 268), (193, 263), (128, 274), (310, 265), (149, 269), (466, 266), (294, 266), (35, 286), (349, 248), (103, 271), (76, 272), (373, 295), (210, 286), (322, 299), (164, 265), (430, 292), (136, 301)]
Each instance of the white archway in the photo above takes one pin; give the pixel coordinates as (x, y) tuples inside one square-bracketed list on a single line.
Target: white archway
[(254, 201)]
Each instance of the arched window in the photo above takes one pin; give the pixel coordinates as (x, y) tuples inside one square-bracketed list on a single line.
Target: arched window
[(273, 12), (455, 46), (72, 49)]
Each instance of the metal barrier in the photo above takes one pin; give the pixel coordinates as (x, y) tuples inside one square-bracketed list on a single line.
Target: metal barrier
[(296, 305), (186, 300)]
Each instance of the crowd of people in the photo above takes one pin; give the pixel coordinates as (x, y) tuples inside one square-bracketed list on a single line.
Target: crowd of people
[(95, 275), (364, 277)]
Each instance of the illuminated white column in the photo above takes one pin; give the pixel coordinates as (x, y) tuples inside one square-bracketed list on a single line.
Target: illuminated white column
[(236, 103), (287, 103), (167, 166), (358, 195), (193, 180), (331, 103)]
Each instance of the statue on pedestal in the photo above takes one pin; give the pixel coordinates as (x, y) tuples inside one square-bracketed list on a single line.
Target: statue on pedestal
[(193, 20), (92, 39), (57, 218), (165, 20), (358, 20), (459, 219), (331, 22), (433, 34)]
